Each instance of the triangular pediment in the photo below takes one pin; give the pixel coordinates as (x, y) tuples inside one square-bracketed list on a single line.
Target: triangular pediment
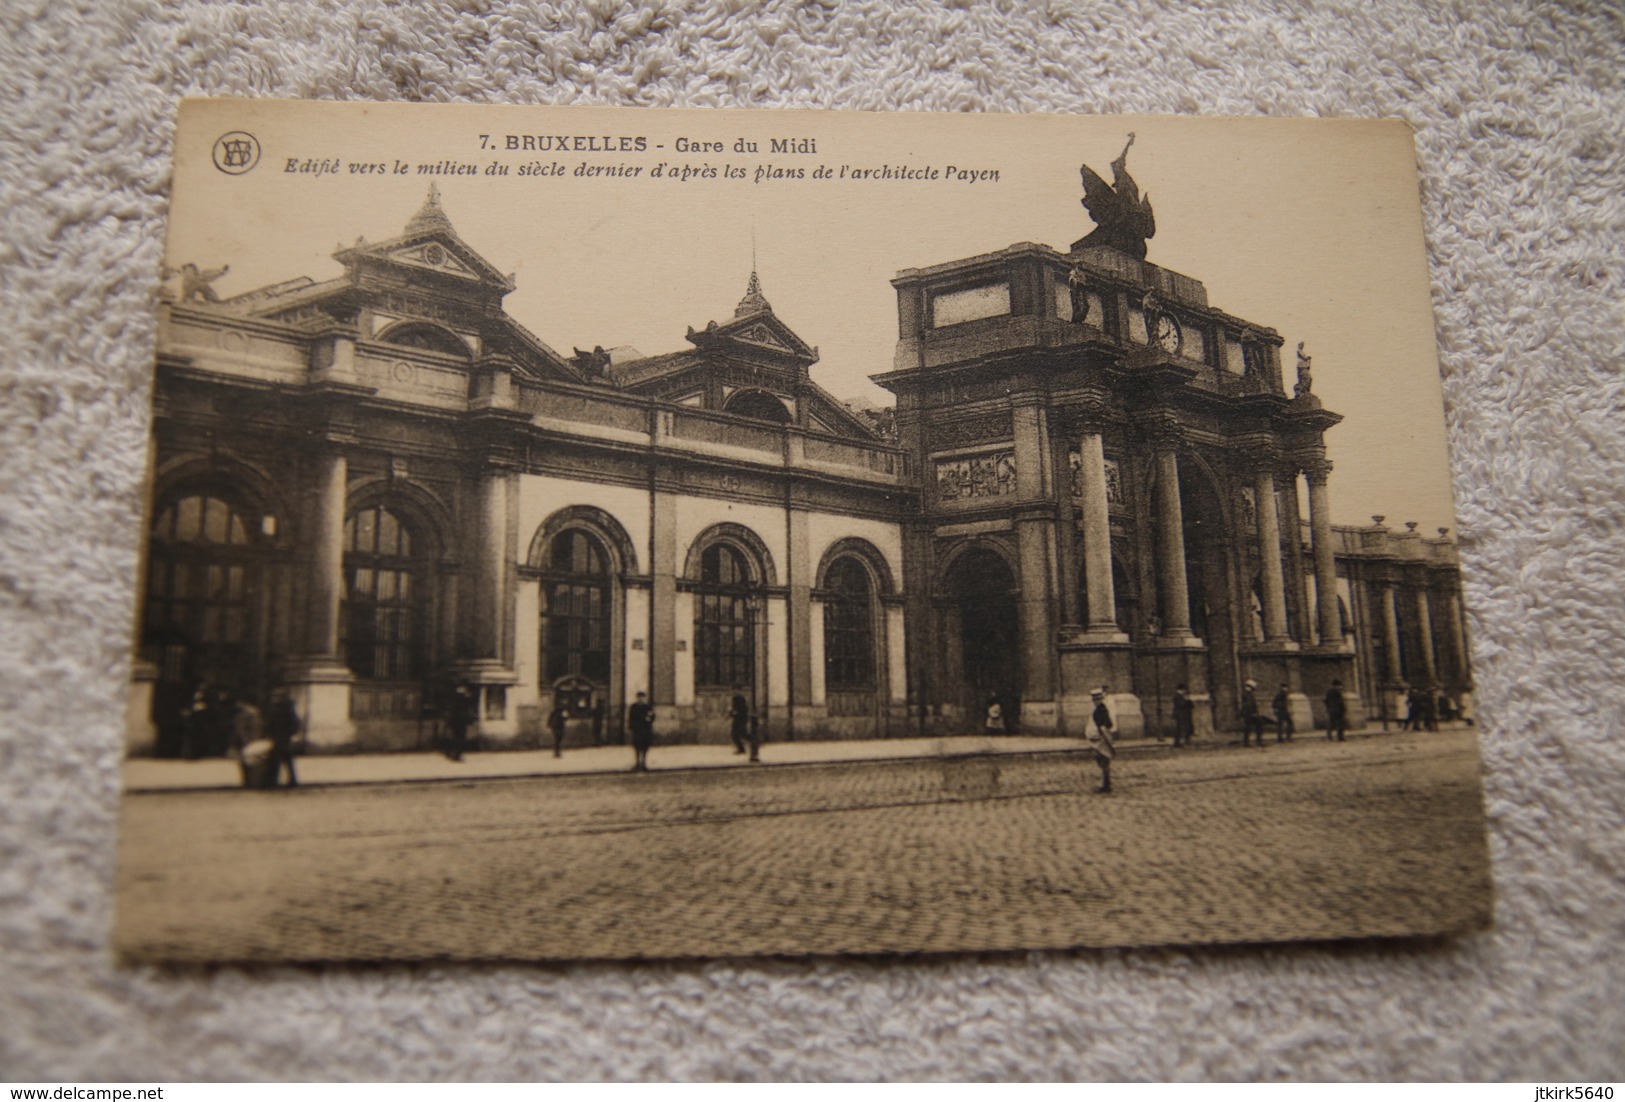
[(436, 256), (762, 332), (428, 244), (439, 251)]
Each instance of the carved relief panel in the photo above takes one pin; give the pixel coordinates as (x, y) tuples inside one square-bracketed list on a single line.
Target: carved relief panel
[(976, 476), (1114, 478)]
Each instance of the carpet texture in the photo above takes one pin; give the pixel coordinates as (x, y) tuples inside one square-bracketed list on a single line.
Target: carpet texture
[(1517, 112)]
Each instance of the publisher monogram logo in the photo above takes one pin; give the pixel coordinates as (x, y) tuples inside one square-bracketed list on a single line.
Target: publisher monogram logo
[(236, 152)]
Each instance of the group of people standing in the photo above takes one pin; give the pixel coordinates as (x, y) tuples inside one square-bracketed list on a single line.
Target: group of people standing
[(1253, 720), (1423, 710), (219, 723)]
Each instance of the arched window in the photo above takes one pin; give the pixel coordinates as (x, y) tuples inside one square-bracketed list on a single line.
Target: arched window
[(385, 586), (759, 405), (725, 649), (849, 627), (430, 338), (577, 609), (204, 573)]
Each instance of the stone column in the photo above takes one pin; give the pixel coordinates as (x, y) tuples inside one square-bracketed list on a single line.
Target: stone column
[(1269, 557), (1297, 581), (1037, 630), (802, 719), (663, 611), (1320, 528), (1035, 525), (1458, 637), (1176, 606), (486, 605), (1097, 536), (1067, 534), (325, 582), (319, 677), (1424, 639), (1390, 634), (490, 525)]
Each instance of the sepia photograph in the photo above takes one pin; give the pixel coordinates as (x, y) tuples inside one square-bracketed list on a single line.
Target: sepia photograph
[(596, 533)]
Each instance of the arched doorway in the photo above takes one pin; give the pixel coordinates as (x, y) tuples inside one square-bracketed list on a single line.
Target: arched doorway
[(386, 629), (985, 629), (578, 630), (725, 581), (204, 620)]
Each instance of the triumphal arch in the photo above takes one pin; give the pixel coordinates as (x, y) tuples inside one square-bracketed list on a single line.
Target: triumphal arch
[(1110, 499)]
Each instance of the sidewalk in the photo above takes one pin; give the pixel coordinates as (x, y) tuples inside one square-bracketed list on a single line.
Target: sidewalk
[(154, 774), (160, 775)]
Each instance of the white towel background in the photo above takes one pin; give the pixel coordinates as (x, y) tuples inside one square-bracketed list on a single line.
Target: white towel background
[(1519, 112)]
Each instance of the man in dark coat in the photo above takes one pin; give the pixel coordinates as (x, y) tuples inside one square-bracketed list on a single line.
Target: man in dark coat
[(1413, 711), (640, 720), (1252, 720), (282, 728), (1337, 711), (741, 727), (1282, 706), (1184, 717), (461, 711), (555, 723)]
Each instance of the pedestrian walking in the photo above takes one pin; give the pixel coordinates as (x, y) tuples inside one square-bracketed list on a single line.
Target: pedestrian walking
[(461, 712), (282, 727), (197, 725), (1447, 707), (640, 721), (1184, 716), (247, 742), (1101, 740), (1252, 720), (1282, 706), (1337, 711), (1413, 711), (739, 720), (556, 719)]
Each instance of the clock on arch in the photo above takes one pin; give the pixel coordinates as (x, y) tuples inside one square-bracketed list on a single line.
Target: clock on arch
[(1165, 334)]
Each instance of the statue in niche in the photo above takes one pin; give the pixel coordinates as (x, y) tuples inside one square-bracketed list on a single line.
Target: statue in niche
[(1078, 284), (1305, 380), (1122, 216), (1114, 483), (1249, 507)]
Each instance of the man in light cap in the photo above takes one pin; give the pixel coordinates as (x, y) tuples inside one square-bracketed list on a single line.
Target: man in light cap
[(1252, 721), (1105, 749)]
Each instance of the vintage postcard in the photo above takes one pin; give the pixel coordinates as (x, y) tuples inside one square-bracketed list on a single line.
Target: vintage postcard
[(604, 533)]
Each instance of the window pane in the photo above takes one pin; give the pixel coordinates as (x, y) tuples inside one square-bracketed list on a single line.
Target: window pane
[(389, 533), (189, 518), (216, 516)]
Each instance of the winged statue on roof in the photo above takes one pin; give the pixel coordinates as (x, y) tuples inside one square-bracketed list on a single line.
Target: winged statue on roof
[(1123, 218)]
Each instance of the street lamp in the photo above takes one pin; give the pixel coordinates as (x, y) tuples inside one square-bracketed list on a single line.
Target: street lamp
[(1153, 628)]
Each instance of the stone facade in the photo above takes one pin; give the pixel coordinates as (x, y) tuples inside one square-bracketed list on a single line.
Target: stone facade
[(374, 488)]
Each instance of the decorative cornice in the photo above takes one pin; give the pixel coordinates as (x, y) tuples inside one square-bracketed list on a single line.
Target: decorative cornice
[(1162, 429)]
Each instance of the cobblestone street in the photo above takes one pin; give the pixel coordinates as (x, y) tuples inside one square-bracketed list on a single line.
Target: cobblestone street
[(1381, 835)]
